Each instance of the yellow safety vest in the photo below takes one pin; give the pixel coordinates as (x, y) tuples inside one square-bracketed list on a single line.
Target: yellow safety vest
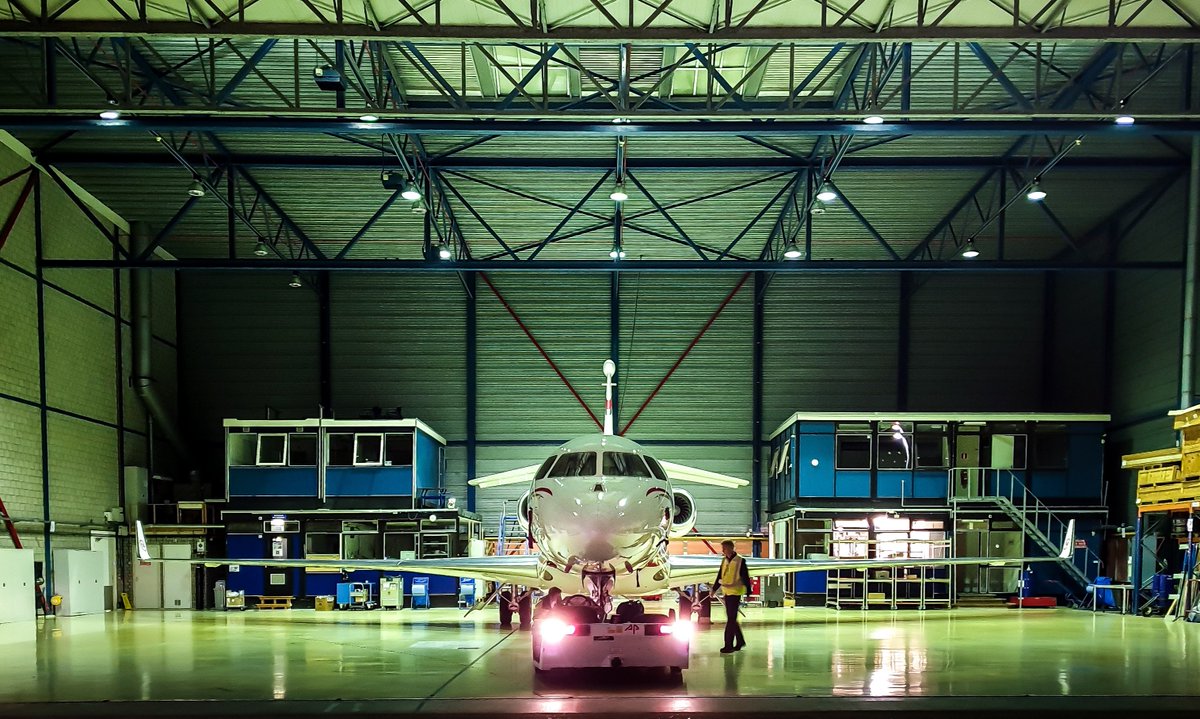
[(731, 576)]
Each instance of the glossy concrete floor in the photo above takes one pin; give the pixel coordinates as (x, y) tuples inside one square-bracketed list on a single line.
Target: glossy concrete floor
[(438, 654)]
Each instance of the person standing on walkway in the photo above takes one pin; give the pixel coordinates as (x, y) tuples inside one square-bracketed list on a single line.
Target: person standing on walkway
[(733, 579)]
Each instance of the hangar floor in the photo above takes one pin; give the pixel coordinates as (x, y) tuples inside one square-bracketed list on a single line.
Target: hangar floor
[(438, 655)]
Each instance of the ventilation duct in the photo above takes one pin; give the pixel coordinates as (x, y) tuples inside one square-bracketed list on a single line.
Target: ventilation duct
[(143, 341)]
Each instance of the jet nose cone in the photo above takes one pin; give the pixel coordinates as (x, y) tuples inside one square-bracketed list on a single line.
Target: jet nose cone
[(598, 551)]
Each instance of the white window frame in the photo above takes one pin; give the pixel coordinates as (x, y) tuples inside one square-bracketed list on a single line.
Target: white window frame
[(358, 436), (258, 462)]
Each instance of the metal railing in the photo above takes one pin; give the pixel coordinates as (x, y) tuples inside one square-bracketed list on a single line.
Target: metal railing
[(1035, 518)]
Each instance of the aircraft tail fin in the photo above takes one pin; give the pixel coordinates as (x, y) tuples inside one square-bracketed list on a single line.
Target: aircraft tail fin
[(142, 549)]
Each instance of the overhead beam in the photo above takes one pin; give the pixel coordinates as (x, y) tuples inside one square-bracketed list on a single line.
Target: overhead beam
[(690, 266), (178, 120), (541, 163), (846, 32)]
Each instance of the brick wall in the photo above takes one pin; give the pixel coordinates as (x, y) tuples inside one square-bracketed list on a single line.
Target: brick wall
[(85, 379)]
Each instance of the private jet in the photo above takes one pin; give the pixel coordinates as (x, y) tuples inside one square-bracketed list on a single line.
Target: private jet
[(600, 512)]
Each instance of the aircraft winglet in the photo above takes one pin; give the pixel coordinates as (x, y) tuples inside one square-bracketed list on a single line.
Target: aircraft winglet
[(1068, 547), (142, 549)]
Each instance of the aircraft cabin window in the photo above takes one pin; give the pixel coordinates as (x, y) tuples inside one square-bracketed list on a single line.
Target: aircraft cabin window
[(545, 468), (656, 469), (575, 464), (624, 464)]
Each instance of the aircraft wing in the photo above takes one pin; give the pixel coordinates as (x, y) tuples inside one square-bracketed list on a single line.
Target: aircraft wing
[(696, 569), (683, 473), (516, 569), (520, 475)]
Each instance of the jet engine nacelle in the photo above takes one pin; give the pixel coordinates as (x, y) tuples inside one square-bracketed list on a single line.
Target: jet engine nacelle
[(683, 513), (524, 511)]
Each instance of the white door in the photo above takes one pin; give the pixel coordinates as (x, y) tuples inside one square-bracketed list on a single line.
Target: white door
[(107, 546), (178, 591), (147, 582)]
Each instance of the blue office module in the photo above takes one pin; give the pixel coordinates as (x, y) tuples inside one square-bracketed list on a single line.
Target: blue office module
[(271, 459), (814, 464), (250, 580)]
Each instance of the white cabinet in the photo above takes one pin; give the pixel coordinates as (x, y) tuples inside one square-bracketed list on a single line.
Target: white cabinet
[(80, 577), (18, 596)]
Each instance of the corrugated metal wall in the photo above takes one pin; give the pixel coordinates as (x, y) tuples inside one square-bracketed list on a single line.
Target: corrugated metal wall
[(1077, 374), (397, 341), (1147, 327), (249, 341), (520, 397), (830, 343), (708, 397), (976, 343)]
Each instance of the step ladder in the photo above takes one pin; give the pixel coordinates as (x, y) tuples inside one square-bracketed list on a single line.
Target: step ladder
[(511, 537)]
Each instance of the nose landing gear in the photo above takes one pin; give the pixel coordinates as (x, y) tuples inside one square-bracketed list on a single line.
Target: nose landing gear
[(599, 585)]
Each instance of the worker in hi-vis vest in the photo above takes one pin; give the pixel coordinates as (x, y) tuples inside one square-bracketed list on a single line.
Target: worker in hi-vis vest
[(733, 579)]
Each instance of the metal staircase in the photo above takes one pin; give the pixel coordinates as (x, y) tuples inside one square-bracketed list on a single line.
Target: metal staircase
[(1002, 489)]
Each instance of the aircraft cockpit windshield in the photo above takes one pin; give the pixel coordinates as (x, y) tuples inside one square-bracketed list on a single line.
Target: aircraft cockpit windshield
[(571, 464), (625, 464)]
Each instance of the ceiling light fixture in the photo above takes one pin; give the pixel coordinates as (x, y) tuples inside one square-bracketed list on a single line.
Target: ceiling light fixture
[(110, 115), (295, 282), (873, 119), (618, 193), (411, 191), (969, 250), (617, 252), (260, 249), (1036, 193), (826, 193), (1125, 120), (197, 188), (792, 252), (444, 251), (368, 118)]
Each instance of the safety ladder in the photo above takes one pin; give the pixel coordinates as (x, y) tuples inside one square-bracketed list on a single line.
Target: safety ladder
[(511, 537)]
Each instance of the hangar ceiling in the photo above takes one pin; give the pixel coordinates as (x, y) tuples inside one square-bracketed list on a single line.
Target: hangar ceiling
[(721, 121)]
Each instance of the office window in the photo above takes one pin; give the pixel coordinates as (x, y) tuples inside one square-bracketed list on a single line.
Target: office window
[(322, 544), (894, 451), (398, 450), (242, 448), (1007, 451), (361, 546), (272, 449), (302, 450), (341, 450), (932, 446), (368, 450), (853, 451)]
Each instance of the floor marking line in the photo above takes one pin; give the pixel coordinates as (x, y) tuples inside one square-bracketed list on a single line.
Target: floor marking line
[(460, 671)]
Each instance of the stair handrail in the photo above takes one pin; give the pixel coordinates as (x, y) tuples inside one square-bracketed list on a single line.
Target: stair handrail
[(1030, 503)]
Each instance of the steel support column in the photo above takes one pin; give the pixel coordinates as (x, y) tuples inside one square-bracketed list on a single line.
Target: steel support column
[(903, 340), (1187, 371), (472, 382), (761, 280), (47, 556)]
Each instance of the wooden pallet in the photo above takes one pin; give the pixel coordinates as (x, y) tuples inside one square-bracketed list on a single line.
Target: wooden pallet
[(262, 602)]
